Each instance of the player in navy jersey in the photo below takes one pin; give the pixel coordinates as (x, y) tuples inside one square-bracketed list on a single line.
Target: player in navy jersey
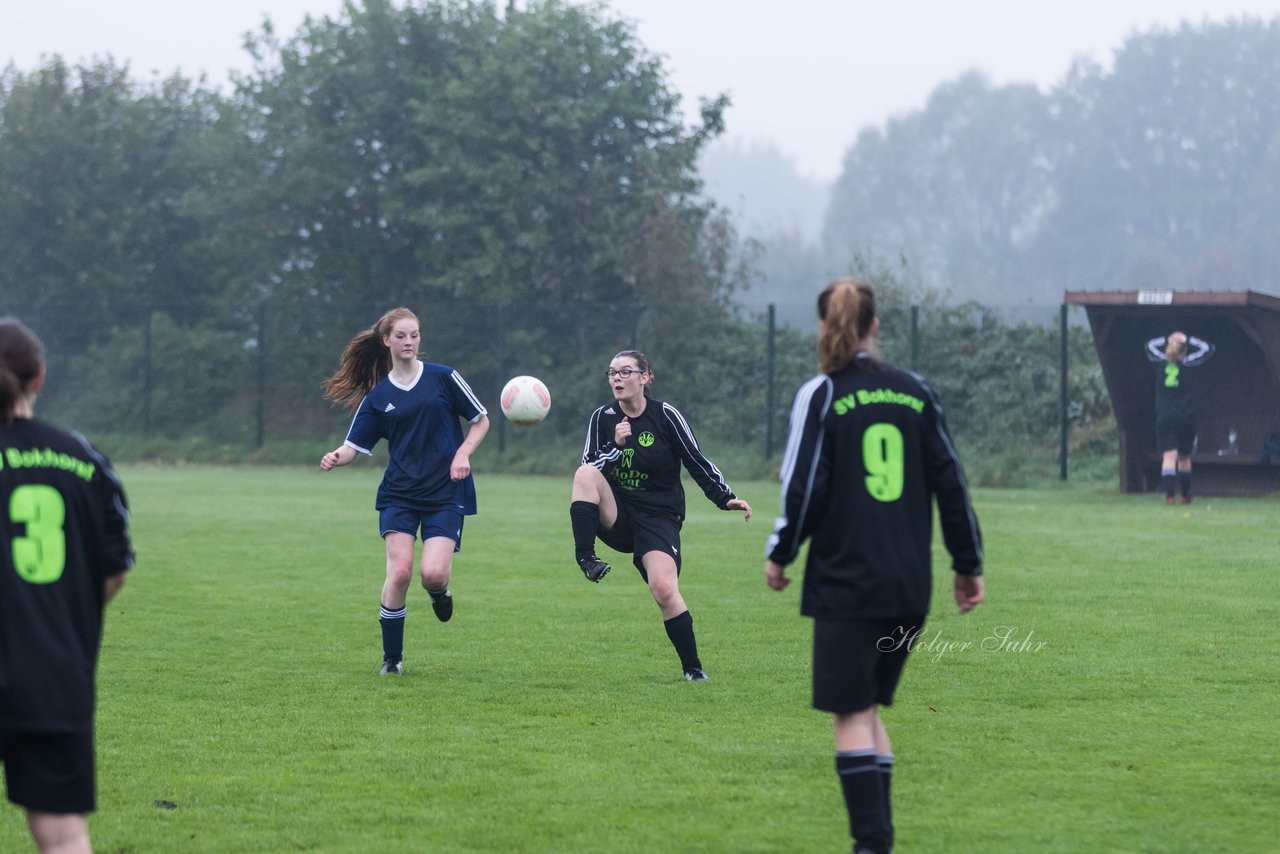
[(427, 486), (1176, 406), (628, 492), (64, 529), (867, 455)]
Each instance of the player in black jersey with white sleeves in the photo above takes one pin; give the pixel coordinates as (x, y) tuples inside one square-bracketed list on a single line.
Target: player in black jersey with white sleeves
[(64, 530), (867, 455), (628, 493)]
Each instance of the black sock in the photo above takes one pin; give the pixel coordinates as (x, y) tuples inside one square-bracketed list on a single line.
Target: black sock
[(1170, 482), (392, 632), (680, 631), (1184, 483), (585, 518), (864, 798), (885, 761)]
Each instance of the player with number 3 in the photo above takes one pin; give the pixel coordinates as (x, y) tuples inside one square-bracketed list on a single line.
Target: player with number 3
[(867, 455)]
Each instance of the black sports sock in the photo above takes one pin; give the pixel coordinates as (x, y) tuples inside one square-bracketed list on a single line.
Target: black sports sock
[(1184, 483), (585, 519), (1169, 482), (885, 761), (680, 631), (864, 798), (392, 632)]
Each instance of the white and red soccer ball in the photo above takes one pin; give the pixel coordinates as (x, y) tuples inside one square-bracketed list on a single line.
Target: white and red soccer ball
[(525, 400)]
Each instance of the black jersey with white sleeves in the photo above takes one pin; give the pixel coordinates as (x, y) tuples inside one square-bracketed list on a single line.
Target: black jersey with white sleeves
[(645, 472), (867, 455), (64, 522), (1176, 383)]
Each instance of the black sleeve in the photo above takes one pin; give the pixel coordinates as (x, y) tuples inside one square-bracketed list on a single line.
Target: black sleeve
[(599, 450), (117, 552), (701, 469), (805, 471), (960, 531)]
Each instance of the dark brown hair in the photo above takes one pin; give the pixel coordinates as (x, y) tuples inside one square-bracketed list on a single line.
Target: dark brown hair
[(366, 361), (847, 308), (21, 360)]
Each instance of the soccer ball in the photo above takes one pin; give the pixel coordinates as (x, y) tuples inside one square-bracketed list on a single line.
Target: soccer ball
[(525, 401)]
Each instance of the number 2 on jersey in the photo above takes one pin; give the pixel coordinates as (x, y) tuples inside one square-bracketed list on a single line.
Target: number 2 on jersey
[(41, 555), (882, 456)]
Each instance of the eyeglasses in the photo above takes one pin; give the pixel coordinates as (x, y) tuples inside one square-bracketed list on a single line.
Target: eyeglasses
[(625, 373)]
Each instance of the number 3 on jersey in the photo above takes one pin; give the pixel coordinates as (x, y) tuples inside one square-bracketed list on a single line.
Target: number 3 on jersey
[(41, 555), (882, 456)]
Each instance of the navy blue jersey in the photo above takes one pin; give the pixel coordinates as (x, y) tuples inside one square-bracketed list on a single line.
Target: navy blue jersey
[(645, 473), (63, 533), (867, 455), (420, 423), (1175, 381)]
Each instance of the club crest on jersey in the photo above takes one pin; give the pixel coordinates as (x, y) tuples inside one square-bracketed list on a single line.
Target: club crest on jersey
[(646, 439)]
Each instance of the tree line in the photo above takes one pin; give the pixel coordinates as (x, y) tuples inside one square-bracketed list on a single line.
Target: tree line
[(1156, 170)]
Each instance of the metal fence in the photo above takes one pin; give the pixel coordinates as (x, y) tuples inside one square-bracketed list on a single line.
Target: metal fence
[(250, 377)]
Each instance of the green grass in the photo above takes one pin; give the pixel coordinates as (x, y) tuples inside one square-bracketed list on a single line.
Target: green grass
[(238, 683)]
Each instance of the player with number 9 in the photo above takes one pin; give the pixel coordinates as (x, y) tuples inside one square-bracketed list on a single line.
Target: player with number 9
[(868, 454)]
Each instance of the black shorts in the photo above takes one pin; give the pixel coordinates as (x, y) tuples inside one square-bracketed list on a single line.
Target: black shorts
[(641, 533), (49, 771), (1176, 434), (857, 663)]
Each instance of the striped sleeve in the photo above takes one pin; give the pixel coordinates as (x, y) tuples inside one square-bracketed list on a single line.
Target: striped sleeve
[(803, 479), (695, 462), (598, 450), (469, 405)]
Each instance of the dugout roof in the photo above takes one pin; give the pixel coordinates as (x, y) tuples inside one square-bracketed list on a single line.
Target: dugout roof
[(1239, 387)]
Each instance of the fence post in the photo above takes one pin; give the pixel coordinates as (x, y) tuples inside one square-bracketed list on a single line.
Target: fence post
[(770, 363), (915, 338), (1062, 392), (261, 415), (146, 374)]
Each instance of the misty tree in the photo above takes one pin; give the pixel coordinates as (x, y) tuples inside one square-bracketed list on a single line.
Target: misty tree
[(1171, 174), (961, 188), (459, 149)]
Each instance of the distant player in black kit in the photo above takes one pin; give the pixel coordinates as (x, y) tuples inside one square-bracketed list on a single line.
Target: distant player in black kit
[(867, 454), (1176, 407), (627, 491), (64, 530)]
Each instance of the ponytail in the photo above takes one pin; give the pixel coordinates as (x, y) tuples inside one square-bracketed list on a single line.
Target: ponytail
[(847, 308)]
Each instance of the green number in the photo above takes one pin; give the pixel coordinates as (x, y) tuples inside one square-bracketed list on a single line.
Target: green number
[(41, 555), (882, 455), (1171, 375)]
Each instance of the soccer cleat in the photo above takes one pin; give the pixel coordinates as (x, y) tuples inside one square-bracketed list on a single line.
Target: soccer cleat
[(442, 604), (1168, 499), (593, 568), (391, 667), (696, 674), (1186, 499)]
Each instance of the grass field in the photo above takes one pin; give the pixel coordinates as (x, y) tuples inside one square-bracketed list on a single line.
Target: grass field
[(1116, 692)]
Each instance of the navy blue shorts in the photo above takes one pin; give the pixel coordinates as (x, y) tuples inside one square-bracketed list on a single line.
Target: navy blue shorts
[(857, 664), (432, 523), (49, 771), (640, 534)]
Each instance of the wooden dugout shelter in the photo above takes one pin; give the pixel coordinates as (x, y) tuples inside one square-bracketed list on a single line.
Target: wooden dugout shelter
[(1239, 387)]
